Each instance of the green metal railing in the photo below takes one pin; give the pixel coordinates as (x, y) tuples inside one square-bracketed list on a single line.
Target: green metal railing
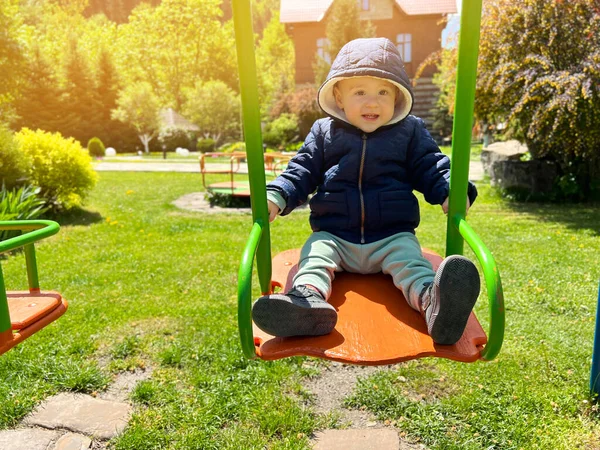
[(457, 230), (36, 230), (259, 244)]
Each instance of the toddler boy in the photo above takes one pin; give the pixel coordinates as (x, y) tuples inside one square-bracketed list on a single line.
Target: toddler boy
[(364, 161)]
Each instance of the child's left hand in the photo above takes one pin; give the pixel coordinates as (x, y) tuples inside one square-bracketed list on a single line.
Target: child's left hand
[(445, 206)]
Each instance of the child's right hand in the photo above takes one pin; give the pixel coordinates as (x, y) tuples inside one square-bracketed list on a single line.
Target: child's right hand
[(273, 210)]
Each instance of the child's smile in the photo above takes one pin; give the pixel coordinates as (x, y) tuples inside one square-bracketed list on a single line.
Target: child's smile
[(367, 102)]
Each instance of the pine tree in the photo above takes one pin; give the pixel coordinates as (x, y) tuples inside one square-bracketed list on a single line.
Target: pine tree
[(113, 132), (83, 108), (39, 104)]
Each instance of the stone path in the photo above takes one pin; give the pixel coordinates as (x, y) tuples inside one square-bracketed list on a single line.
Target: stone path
[(362, 431), (70, 421)]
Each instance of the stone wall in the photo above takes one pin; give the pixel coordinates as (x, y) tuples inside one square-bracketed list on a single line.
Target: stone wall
[(502, 162)]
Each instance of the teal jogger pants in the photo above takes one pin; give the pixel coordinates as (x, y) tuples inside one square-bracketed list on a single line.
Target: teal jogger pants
[(399, 255)]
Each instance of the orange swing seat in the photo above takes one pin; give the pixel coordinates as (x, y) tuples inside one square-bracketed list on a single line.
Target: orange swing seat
[(376, 326), (30, 311)]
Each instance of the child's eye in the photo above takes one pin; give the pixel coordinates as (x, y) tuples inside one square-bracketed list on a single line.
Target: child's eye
[(384, 92), (360, 93)]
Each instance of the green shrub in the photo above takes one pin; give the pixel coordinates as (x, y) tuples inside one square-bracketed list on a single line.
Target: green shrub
[(59, 166), (282, 131), (20, 204), (205, 145), (96, 147), (227, 200), (302, 103), (173, 138), (233, 147), (13, 164)]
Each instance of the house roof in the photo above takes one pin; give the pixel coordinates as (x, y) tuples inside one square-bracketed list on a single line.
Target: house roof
[(172, 119), (295, 11)]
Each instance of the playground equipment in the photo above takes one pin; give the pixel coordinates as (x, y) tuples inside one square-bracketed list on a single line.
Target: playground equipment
[(22, 313), (275, 162), (375, 325)]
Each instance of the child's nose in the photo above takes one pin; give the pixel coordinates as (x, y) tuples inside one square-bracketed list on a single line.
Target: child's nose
[(371, 100)]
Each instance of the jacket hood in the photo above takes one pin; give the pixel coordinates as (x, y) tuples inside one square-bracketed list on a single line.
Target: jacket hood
[(373, 57)]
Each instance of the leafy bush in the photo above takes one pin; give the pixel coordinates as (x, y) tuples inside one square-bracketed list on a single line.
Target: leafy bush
[(205, 145), (20, 204), (13, 165), (59, 166), (541, 76), (227, 200), (302, 103), (233, 147), (173, 138), (282, 131), (95, 147)]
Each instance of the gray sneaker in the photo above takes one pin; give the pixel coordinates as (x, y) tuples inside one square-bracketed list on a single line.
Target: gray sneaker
[(300, 312), (447, 302)]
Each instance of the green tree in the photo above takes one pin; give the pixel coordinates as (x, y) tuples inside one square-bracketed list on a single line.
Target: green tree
[(139, 107), (112, 132), (39, 101), (540, 71), (214, 107), (343, 25), (175, 44), (275, 62), (82, 117), (11, 54)]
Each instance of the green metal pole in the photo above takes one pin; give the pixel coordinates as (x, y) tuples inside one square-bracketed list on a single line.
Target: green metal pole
[(32, 272), (466, 77), (4, 313), (244, 39)]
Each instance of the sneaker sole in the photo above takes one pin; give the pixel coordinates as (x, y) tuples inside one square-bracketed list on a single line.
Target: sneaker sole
[(458, 279), (281, 316)]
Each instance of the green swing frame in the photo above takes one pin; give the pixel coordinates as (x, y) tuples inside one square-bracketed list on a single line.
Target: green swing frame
[(258, 245)]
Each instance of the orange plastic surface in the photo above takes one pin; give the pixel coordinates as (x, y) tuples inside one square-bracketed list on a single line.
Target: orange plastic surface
[(375, 324), (30, 312)]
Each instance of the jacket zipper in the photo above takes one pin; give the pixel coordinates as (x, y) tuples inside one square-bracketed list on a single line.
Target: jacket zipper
[(362, 199)]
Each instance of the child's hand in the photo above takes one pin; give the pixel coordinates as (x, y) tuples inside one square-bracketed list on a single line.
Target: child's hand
[(273, 210), (445, 206)]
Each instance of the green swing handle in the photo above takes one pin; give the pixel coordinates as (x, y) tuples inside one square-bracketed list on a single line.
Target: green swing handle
[(245, 291), (36, 230), (493, 285)]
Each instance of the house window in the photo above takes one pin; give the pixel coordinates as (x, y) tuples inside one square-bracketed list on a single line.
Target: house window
[(404, 44), (322, 44), (363, 4)]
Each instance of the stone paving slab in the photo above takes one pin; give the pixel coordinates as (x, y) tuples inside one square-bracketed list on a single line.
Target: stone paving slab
[(28, 439), (73, 441), (367, 439), (83, 414)]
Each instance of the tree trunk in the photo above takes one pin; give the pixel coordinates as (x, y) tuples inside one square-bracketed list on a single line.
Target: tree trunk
[(145, 138)]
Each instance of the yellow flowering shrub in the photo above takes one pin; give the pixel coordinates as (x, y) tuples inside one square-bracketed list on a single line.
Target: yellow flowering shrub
[(59, 166)]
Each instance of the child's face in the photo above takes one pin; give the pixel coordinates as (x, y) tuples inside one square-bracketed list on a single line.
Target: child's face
[(367, 102)]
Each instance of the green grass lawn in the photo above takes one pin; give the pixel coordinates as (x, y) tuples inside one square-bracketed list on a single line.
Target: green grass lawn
[(149, 285)]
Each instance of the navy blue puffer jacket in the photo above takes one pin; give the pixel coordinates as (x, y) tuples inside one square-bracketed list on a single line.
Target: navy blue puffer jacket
[(364, 182)]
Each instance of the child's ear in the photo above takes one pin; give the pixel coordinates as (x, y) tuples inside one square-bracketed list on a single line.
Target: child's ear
[(338, 97)]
